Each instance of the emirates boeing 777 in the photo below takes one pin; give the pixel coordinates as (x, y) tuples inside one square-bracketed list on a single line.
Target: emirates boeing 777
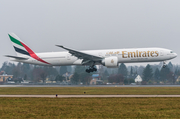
[(109, 58)]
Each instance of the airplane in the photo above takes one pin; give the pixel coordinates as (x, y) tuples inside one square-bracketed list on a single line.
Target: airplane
[(109, 58)]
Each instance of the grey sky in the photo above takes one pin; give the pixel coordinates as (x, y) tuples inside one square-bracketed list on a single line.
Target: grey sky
[(93, 24)]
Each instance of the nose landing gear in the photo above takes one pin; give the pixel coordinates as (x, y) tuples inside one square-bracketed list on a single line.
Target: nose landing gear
[(164, 64)]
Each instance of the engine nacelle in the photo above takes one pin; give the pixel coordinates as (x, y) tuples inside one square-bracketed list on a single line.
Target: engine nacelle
[(110, 62)]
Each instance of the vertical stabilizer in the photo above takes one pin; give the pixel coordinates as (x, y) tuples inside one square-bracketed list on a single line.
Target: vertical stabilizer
[(22, 50), (19, 46)]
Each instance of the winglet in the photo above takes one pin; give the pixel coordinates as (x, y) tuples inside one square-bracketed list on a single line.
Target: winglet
[(60, 46)]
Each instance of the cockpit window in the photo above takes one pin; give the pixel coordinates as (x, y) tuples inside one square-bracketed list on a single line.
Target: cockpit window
[(171, 52)]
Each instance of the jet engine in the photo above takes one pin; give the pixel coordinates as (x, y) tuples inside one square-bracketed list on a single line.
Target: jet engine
[(110, 62)]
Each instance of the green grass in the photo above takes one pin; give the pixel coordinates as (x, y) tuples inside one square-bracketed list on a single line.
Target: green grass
[(90, 90), (89, 108)]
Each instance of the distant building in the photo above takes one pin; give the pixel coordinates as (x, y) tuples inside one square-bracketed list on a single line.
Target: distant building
[(10, 82), (5, 77), (96, 79), (50, 81), (138, 79), (25, 82), (178, 79), (2, 72), (67, 76)]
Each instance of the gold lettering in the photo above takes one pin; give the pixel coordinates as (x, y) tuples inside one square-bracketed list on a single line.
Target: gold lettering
[(140, 54), (144, 54), (136, 53), (123, 53), (131, 53), (110, 52), (152, 52), (157, 54), (148, 53)]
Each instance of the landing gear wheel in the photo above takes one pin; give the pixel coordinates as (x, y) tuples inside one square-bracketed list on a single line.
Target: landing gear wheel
[(94, 69), (87, 70), (91, 69), (164, 64)]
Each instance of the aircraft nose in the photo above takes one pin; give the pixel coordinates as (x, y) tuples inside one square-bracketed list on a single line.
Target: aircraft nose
[(175, 54)]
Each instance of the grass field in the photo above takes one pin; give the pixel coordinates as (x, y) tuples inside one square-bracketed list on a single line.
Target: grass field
[(89, 108), (90, 90)]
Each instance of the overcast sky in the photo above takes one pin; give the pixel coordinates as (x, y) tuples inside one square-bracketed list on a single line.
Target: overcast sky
[(90, 24)]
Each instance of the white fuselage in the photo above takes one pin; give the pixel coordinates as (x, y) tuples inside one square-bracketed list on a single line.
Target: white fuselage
[(124, 56)]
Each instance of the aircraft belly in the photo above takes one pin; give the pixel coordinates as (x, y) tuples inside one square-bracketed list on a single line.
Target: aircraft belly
[(141, 59), (60, 61)]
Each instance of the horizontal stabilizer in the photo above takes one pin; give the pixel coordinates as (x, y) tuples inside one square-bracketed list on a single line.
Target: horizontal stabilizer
[(16, 57)]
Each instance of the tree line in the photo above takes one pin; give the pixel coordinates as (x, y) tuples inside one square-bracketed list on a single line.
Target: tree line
[(151, 74), (121, 75)]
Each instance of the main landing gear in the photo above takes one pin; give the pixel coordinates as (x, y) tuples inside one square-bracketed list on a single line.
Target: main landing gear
[(91, 69)]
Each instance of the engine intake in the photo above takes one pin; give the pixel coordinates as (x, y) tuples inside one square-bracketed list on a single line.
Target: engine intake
[(110, 62)]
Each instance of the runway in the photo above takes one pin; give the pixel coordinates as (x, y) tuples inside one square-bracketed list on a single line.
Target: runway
[(90, 96), (89, 85)]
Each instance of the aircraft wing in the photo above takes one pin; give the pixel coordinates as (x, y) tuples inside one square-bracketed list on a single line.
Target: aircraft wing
[(81, 55), (19, 58)]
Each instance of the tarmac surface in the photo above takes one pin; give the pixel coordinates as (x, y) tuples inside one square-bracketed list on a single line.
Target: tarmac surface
[(89, 96), (89, 85)]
